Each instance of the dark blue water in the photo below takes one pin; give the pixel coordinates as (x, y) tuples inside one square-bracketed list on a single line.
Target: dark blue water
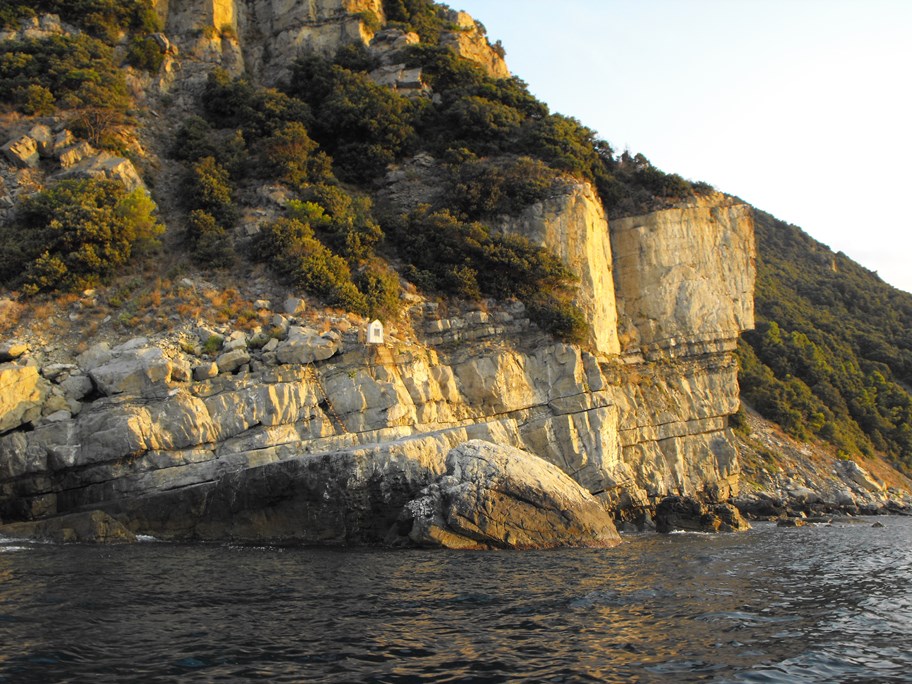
[(815, 604)]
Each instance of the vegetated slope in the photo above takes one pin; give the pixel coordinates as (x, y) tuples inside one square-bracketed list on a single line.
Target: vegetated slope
[(327, 135), (831, 356)]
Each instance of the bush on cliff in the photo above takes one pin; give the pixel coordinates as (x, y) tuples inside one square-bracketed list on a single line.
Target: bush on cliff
[(74, 234), (291, 247), (77, 71), (105, 19)]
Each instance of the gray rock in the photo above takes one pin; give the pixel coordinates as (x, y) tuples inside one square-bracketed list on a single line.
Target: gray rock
[(236, 340), (688, 514), (43, 138), (500, 497), (12, 350), (75, 153), (294, 306), (22, 152), (205, 371), (132, 370), (103, 166), (77, 386), (22, 394), (232, 360), (305, 346)]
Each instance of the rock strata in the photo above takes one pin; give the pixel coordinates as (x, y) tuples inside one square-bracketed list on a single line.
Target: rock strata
[(499, 497)]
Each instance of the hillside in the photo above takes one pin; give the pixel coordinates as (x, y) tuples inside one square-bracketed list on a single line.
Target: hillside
[(831, 355), (205, 203)]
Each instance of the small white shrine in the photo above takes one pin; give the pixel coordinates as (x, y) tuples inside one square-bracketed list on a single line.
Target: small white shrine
[(375, 332)]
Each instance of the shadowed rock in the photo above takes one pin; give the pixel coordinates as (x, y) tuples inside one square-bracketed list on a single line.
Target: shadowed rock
[(500, 497), (687, 514)]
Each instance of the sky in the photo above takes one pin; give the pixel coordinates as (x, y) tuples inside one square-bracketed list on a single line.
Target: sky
[(802, 108)]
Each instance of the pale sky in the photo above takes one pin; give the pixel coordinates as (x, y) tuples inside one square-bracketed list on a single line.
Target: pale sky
[(801, 107)]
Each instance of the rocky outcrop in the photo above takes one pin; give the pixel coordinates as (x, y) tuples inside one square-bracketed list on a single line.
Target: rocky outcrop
[(685, 276), (572, 224), (91, 527), (498, 497), (22, 395), (127, 427), (469, 41), (783, 477), (676, 513), (262, 38)]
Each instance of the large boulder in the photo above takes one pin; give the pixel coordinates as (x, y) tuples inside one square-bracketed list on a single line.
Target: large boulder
[(687, 514), (21, 152), (131, 368), (305, 346), (500, 497), (22, 392)]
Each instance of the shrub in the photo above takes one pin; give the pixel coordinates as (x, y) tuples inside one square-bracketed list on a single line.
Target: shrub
[(145, 53), (291, 155), (485, 188), (291, 248), (259, 112), (77, 71), (380, 287), (75, 233), (212, 244), (210, 189)]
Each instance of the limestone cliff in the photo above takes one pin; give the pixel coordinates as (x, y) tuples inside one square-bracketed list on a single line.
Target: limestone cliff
[(264, 37), (125, 428), (300, 431)]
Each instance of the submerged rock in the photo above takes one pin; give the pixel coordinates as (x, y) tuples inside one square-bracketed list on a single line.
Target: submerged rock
[(685, 513), (500, 497)]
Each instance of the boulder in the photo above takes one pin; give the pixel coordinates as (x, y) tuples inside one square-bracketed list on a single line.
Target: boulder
[(128, 369), (21, 152), (12, 350), (22, 393), (232, 360), (790, 522), (305, 346), (687, 514), (73, 154), (205, 371), (854, 474), (44, 139), (500, 497), (104, 166), (294, 306), (90, 526)]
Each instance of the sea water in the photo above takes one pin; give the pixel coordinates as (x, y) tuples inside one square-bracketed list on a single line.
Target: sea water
[(812, 604)]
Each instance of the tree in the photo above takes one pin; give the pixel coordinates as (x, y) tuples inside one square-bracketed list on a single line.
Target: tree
[(76, 233)]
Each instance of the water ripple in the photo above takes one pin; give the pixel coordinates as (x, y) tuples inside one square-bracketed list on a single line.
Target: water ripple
[(809, 605)]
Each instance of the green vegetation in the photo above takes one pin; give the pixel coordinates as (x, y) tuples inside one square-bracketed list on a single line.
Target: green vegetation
[(104, 19), (452, 256), (74, 234), (61, 71), (831, 356)]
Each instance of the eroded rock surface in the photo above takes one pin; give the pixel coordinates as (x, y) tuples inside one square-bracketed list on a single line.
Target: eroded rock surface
[(499, 497)]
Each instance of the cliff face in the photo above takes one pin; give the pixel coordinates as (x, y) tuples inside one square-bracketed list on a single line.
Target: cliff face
[(685, 276), (128, 431), (317, 437), (264, 37)]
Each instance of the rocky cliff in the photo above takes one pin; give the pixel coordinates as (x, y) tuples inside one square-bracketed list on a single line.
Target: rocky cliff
[(141, 431), (262, 38), (300, 431)]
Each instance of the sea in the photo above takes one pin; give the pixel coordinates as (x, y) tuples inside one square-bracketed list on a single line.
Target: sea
[(812, 604)]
